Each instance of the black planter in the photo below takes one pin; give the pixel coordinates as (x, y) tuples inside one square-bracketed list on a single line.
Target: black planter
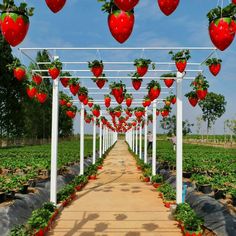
[(10, 195), (2, 197), (32, 183), (204, 188), (234, 201), (187, 175), (219, 194), (24, 189)]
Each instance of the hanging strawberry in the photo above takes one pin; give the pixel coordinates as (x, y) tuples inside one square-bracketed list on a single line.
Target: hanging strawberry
[(107, 100), (173, 99), (96, 110), (100, 81), (126, 5), (31, 90), (90, 102), (128, 99), (214, 65), (180, 59), (146, 101), (139, 112), (14, 21), (165, 111), (74, 86), (68, 104), (142, 66), (157, 112), (168, 79), (167, 102), (120, 22), (88, 118), (85, 101), (154, 90), (62, 102), (117, 111), (55, 69), (71, 112), (128, 111), (201, 86), (55, 5), (64, 99), (37, 79), (118, 91), (222, 26), (96, 67), (18, 69), (168, 6), (234, 1), (192, 98), (136, 81), (65, 78), (82, 94), (41, 95)]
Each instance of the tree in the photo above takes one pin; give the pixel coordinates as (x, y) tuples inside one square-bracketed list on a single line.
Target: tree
[(231, 125), (213, 107), (169, 124)]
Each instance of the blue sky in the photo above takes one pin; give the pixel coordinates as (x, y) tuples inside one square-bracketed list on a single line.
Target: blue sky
[(82, 24)]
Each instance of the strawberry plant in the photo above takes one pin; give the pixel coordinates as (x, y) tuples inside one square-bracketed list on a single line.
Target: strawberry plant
[(214, 65), (200, 85), (180, 59), (222, 26), (120, 22), (14, 21), (96, 110), (82, 93), (136, 81)]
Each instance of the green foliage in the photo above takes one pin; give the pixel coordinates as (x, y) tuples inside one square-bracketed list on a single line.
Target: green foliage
[(183, 55), (141, 62), (49, 206), (95, 63), (56, 64), (157, 179), (191, 94), (200, 82), (167, 75), (19, 230), (213, 107), (39, 219), (153, 84), (213, 61), (65, 192)]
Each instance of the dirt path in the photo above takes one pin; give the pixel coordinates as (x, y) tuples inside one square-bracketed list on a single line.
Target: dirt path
[(117, 204)]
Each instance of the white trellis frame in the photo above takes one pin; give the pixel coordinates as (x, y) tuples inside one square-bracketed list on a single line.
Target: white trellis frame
[(106, 139)]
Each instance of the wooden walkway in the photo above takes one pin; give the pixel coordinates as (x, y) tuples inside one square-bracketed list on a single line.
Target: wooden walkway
[(117, 203)]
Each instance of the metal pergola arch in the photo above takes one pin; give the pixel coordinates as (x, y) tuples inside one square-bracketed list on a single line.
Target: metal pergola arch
[(106, 137)]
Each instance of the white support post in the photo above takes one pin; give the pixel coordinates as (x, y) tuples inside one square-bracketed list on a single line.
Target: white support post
[(82, 140), (94, 140), (179, 139), (140, 141), (136, 140), (103, 139), (100, 139), (133, 145), (154, 131), (54, 141), (145, 136)]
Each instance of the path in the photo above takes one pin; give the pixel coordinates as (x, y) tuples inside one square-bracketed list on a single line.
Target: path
[(117, 204)]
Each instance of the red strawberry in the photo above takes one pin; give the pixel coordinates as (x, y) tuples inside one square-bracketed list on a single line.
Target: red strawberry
[(222, 32), (96, 112), (63, 102), (14, 27), (157, 112), (87, 120), (74, 88), (142, 70), (90, 104), (100, 83), (234, 1), (117, 114), (173, 100), (82, 97), (41, 97), (193, 101), (37, 79), (215, 69), (164, 113), (148, 102), (19, 73), (55, 5), (128, 102), (117, 92), (169, 82), (201, 93), (181, 65), (121, 25), (70, 114), (168, 103), (168, 6), (65, 81), (154, 93), (138, 114), (85, 101), (120, 99), (97, 71), (54, 72), (31, 92), (136, 84), (107, 101), (126, 5)]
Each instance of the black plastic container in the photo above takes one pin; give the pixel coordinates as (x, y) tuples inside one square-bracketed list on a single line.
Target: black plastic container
[(204, 188), (219, 194), (2, 197)]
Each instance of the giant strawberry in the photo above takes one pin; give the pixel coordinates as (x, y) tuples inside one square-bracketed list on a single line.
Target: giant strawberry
[(128, 100), (201, 93), (180, 59), (41, 97), (55, 5), (142, 66), (100, 83), (136, 83), (154, 90), (96, 110), (120, 22), (214, 65), (107, 101), (19, 73), (192, 98), (126, 5), (96, 67), (168, 6)]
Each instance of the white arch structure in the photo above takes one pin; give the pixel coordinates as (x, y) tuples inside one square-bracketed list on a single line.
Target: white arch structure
[(134, 136)]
